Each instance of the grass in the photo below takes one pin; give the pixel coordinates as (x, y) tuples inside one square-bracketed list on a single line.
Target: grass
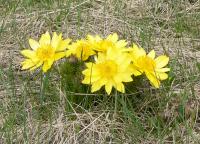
[(58, 109)]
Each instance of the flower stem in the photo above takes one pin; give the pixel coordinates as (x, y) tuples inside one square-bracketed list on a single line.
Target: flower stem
[(44, 77), (115, 110)]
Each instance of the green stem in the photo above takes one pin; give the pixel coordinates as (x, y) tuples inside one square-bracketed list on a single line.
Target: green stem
[(115, 110), (41, 89), (44, 78)]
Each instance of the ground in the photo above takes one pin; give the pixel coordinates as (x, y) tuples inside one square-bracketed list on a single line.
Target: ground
[(146, 115)]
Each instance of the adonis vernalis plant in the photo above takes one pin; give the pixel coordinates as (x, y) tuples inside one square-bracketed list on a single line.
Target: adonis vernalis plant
[(82, 49), (102, 45), (110, 69), (153, 68), (44, 52), (112, 64)]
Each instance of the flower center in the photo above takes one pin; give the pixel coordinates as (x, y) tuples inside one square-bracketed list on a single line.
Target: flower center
[(45, 52), (146, 63), (108, 69)]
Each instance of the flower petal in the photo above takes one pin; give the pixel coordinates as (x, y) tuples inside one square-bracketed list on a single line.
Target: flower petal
[(161, 61), (86, 80), (152, 54), (37, 65), (137, 51), (59, 55), (63, 45), (90, 80), (33, 44), (93, 39), (28, 53), (163, 70), (108, 87), (113, 37), (127, 78), (162, 76), (123, 77), (96, 86), (47, 65), (120, 87), (121, 44), (69, 52), (135, 70), (56, 40), (152, 78), (27, 63), (89, 64), (45, 39), (91, 75)]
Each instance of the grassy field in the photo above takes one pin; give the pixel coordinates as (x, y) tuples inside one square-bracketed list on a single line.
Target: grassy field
[(59, 109)]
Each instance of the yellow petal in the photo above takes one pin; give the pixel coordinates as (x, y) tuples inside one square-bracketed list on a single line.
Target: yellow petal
[(161, 61), (126, 78), (123, 60), (100, 58), (162, 76), (81, 49), (93, 39), (47, 65), (91, 72), (113, 53), (45, 39), (135, 70), (120, 87), (90, 80), (137, 51), (86, 80), (163, 70), (89, 65), (34, 44), (28, 53), (141, 52), (63, 45), (123, 77), (27, 63), (152, 78), (37, 65), (91, 75), (86, 72), (90, 37), (69, 52), (96, 86), (152, 54), (113, 37), (108, 87), (121, 43), (135, 46), (59, 55), (84, 56), (56, 40), (128, 49)]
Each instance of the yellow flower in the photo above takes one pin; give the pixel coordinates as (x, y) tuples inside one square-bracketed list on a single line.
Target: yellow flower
[(110, 70), (44, 52), (102, 45), (81, 49), (148, 64)]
